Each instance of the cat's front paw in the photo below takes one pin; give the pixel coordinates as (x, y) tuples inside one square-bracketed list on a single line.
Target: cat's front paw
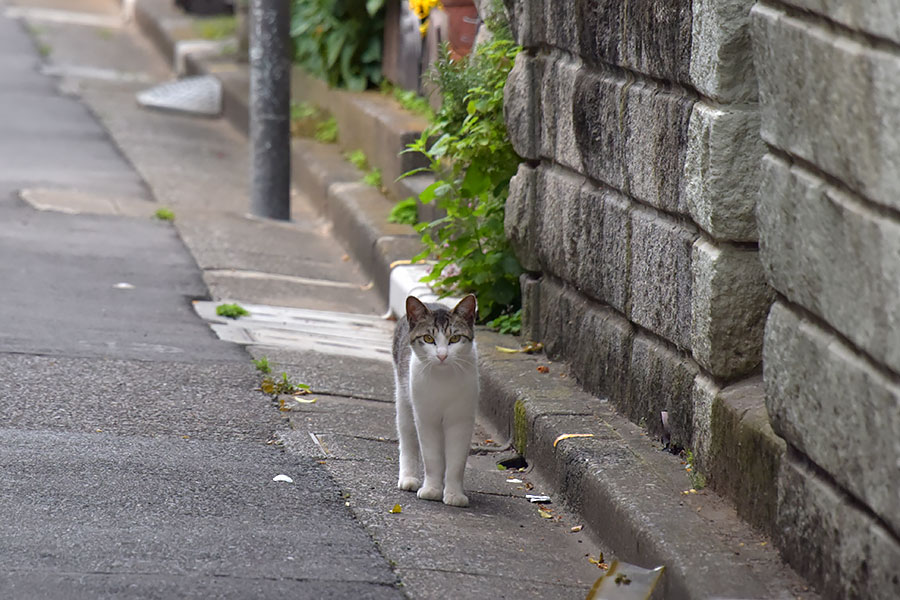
[(456, 499), (410, 484), (430, 493)]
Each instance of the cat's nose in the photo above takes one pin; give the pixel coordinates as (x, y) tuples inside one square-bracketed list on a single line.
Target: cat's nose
[(442, 355)]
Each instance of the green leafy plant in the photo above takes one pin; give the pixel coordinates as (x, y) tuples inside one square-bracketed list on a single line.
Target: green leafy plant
[(470, 154), (275, 387), (405, 212), (509, 323), (262, 365), (408, 99), (216, 28), (303, 111), (358, 159), (373, 177), (327, 131), (231, 311), (339, 40), (164, 214), (311, 121), (698, 480)]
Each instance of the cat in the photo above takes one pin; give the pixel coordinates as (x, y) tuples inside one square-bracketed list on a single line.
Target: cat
[(436, 389)]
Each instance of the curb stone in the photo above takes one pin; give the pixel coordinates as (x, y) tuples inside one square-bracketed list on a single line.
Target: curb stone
[(629, 492)]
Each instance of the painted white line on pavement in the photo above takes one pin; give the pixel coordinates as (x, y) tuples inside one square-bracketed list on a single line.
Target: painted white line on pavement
[(260, 275), (97, 73), (64, 16)]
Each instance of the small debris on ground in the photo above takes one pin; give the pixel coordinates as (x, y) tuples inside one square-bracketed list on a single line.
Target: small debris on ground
[(283, 478), (577, 528), (543, 369), (231, 311), (545, 513), (537, 498), (397, 509), (527, 348)]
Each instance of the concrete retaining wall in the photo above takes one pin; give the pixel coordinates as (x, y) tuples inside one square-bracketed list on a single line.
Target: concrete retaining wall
[(635, 210), (687, 164), (829, 227)]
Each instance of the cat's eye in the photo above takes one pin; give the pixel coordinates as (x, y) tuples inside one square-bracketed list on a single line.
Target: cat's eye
[(454, 338), (428, 339)]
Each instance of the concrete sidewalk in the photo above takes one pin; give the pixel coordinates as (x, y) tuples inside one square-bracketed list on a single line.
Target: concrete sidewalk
[(335, 256)]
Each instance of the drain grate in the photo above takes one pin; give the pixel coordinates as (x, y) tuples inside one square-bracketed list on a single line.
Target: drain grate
[(342, 334)]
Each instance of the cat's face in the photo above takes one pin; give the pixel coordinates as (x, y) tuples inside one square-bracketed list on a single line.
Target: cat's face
[(442, 338)]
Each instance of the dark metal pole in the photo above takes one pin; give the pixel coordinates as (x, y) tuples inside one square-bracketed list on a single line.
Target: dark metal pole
[(270, 94)]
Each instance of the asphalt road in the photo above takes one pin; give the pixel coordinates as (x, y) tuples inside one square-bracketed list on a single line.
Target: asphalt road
[(134, 450), (134, 460)]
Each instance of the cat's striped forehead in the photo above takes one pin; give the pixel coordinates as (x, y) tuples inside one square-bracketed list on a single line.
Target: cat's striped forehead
[(440, 320)]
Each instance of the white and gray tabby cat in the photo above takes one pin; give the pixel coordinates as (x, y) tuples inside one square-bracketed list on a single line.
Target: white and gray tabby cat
[(436, 388)]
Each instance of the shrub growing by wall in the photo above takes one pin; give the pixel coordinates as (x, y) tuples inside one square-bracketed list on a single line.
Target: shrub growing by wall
[(339, 41)]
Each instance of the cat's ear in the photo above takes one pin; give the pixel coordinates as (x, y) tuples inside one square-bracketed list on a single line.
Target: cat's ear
[(415, 310), (466, 308)]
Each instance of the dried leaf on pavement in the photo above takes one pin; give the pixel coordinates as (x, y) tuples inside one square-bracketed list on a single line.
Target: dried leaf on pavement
[(567, 436)]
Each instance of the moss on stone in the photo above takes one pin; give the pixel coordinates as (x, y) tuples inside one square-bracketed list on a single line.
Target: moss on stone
[(520, 423)]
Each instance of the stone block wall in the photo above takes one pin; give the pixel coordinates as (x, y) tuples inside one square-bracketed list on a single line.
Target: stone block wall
[(829, 226), (634, 211), (708, 211)]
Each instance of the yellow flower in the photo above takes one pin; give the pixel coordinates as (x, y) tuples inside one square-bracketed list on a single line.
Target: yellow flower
[(423, 7)]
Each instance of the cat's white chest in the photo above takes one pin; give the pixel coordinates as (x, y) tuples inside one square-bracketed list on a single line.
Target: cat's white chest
[(442, 388)]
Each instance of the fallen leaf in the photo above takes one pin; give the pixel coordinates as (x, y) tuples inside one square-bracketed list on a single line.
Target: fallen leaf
[(543, 369), (397, 509), (532, 347), (345, 257), (305, 400), (544, 513), (567, 436), (507, 350), (577, 528), (501, 467)]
